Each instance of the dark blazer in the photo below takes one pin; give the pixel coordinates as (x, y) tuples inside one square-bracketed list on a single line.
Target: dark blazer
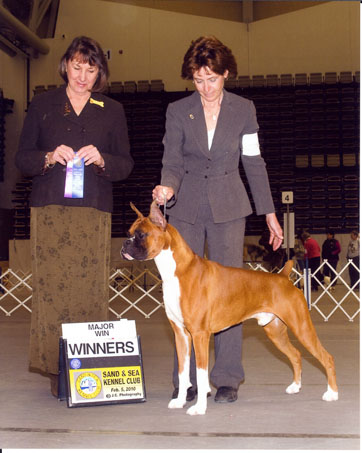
[(195, 172), (51, 122)]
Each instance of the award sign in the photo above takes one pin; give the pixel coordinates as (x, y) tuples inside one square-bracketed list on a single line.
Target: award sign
[(103, 363)]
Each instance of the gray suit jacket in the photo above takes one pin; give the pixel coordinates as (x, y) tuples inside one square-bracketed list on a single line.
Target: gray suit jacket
[(195, 172)]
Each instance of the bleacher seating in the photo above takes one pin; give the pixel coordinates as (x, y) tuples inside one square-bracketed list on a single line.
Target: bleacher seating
[(143, 86), (286, 80), (272, 80), (244, 81), (231, 83), (157, 85), (301, 79), (130, 86), (39, 89), (6, 107), (258, 81), (115, 87), (309, 135)]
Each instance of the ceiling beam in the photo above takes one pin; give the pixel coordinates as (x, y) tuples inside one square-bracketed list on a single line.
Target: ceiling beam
[(22, 31), (37, 13), (248, 15)]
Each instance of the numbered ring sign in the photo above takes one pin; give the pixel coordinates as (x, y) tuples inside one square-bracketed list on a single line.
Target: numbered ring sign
[(287, 197)]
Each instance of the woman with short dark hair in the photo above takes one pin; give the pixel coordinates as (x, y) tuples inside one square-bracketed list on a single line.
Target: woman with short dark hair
[(208, 52), (86, 50), (207, 134), (74, 143)]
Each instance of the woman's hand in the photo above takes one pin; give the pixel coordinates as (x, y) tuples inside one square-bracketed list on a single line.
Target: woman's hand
[(159, 193), (91, 155), (62, 154), (276, 232)]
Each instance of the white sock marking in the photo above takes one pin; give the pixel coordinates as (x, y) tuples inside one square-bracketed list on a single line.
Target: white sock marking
[(203, 387), (293, 388), (330, 395)]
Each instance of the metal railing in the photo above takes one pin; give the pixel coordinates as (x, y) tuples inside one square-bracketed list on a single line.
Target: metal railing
[(139, 287)]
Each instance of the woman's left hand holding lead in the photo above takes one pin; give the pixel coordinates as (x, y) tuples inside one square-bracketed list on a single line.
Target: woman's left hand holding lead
[(91, 155)]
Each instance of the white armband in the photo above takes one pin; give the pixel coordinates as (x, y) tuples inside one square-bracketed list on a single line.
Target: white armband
[(250, 144)]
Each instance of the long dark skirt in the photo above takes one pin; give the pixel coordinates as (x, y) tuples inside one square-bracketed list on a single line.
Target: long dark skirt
[(70, 250)]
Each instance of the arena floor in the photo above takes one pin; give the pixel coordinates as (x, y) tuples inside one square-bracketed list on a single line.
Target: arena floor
[(263, 418)]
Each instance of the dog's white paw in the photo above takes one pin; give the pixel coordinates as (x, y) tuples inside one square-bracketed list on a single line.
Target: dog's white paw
[(293, 388), (196, 409), (330, 395), (177, 403)]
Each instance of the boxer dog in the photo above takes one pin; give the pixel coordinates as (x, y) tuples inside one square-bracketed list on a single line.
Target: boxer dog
[(202, 297)]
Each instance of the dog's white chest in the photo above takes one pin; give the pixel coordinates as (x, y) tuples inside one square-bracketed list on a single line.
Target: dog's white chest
[(171, 286)]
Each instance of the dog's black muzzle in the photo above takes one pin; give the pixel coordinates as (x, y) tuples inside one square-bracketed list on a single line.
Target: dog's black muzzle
[(132, 249)]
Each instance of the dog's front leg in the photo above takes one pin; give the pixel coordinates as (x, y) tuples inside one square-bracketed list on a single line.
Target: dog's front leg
[(201, 346), (183, 349)]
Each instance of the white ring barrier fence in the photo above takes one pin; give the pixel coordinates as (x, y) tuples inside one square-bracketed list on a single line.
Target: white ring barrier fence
[(140, 288)]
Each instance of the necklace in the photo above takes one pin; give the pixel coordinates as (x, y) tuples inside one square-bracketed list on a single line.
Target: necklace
[(214, 112)]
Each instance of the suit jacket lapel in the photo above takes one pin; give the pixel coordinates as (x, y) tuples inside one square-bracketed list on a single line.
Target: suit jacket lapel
[(225, 123), (197, 123)]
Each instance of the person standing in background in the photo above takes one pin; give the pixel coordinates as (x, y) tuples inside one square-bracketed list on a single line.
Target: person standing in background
[(299, 252), (353, 254), (299, 255), (74, 143), (313, 255), (330, 251)]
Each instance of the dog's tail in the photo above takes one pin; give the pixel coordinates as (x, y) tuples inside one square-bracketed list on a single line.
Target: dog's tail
[(287, 268)]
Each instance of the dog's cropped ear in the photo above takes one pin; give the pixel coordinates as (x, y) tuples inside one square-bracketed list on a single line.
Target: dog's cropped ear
[(140, 215), (156, 216)]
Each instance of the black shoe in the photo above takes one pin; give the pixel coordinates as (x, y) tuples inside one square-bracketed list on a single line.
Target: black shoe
[(190, 396), (226, 395)]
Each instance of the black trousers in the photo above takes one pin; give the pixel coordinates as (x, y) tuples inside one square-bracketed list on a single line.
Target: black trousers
[(327, 271), (313, 264), (354, 273)]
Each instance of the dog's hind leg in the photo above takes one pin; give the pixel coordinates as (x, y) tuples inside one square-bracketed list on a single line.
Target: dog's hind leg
[(278, 333), (183, 348), (201, 346), (306, 334)]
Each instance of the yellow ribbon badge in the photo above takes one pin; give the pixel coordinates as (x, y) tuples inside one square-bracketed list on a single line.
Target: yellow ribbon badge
[(93, 101)]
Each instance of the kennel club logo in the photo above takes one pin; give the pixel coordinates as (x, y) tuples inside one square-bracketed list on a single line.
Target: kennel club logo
[(88, 385)]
